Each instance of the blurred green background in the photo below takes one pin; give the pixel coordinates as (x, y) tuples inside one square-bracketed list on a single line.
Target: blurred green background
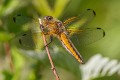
[(17, 65)]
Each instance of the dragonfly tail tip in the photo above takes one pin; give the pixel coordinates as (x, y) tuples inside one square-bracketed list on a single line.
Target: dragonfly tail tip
[(82, 62)]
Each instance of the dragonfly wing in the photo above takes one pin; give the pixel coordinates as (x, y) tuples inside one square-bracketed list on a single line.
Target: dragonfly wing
[(28, 41), (31, 37), (86, 36), (27, 22), (20, 19), (81, 20), (77, 28)]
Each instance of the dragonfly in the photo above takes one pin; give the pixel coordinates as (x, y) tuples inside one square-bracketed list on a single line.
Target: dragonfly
[(72, 28)]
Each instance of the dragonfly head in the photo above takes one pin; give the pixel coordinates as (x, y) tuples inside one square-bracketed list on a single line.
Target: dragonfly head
[(52, 25), (48, 21), (48, 18)]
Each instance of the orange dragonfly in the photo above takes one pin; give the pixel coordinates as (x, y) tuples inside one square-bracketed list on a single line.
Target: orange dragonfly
[(70, 28)]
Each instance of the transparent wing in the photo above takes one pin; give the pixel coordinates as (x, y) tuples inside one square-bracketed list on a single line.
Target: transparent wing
[(27, 22), (20, 19), (86, 36), (78, 31), (81, 20), (31, 37)]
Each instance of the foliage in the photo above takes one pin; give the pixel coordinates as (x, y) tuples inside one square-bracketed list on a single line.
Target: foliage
[(21, 65), (105, 69)]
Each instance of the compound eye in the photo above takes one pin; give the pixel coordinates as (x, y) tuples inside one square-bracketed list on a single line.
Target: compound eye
[(48, 18), (42, 27), (59, 24)]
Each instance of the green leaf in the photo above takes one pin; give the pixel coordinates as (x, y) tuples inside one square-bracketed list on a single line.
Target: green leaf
[(4, 36), (43, 7), (59, 7)]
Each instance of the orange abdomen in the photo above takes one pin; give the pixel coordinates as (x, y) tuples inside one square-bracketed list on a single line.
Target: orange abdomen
[(66, 42)]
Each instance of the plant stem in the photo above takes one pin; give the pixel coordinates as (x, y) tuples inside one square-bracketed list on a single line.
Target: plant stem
[(8, 55)]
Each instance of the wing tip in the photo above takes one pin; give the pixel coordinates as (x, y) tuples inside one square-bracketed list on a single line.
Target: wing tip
[(103, 31), (20, 42), (92, 11), (14, 18), (24, 34), (18, 14), (104, 34)]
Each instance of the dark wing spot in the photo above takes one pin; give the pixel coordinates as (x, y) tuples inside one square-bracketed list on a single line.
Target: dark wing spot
[(88, 9), (14, 19), (18, 14), (98, 28), (20, 41), (93, 12), (24, 34), (103, 33)]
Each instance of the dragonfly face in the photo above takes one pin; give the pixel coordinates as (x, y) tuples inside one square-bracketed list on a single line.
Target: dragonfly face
[(72, 28), (51, 26)]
